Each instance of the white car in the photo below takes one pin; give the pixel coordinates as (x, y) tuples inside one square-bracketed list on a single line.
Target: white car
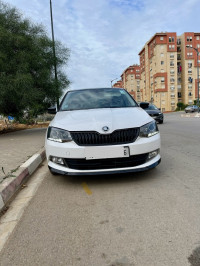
[(101, 131)]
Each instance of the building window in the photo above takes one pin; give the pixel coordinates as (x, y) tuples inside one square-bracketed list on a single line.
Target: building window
[(172, 80), (179, 41), (161, 55), (172, 88), (171, 63), (189, 94), (171, 55), (197, 38), (161, 38), (190, 87), (189, 38), (162, 62), (190, 71), (172, 95), (198, 45), (179, 94), (163, 79), (189, 65), (190, 79), (172, 72), (171, 39)]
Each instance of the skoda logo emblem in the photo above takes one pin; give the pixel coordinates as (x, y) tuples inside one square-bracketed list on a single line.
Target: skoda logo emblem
[(105, 128)]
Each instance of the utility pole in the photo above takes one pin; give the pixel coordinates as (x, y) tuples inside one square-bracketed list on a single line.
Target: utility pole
[(54, 53)]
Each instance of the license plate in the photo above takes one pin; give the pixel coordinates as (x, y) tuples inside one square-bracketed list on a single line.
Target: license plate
[(126, 152), (92, 153)]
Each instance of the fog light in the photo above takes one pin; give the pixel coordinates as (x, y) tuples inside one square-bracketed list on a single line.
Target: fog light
[(152, 154), (56, 160)]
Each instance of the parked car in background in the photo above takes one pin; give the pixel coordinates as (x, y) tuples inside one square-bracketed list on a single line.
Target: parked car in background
[(191, 109), (101, 131), (153, 111)]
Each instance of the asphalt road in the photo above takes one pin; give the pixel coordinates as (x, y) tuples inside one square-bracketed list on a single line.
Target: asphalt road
[(143, 219)]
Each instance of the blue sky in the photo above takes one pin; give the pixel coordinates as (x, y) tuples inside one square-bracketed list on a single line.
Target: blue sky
[(105, 36)]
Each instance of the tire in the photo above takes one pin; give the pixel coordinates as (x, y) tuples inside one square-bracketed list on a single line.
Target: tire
[(161, 122)]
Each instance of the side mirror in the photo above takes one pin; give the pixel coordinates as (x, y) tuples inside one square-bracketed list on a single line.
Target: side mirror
[(159, 109), (52, 110), (144, 105)]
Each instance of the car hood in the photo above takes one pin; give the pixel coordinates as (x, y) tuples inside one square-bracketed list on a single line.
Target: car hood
[(96, 119)]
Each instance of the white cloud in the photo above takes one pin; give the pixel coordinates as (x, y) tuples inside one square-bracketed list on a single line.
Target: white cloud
[(105, 36)]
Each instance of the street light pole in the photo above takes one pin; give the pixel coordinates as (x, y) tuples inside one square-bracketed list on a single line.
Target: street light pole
[(54, 53), (112, 81), (196, 49)]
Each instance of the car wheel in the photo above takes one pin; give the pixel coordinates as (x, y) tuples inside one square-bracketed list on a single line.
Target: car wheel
[(161, 122), (186, 112)]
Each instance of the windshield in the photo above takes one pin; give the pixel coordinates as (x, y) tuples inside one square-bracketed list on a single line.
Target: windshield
[(97, 98), (151, 107)]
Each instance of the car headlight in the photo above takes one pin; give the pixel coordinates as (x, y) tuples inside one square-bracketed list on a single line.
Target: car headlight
[(58, 135), (149, 130)]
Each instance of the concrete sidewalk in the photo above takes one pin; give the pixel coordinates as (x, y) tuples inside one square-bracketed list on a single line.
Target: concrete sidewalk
[(21, 153)]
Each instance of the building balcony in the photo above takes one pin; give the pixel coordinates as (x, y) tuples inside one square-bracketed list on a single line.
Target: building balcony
[(178, 57)]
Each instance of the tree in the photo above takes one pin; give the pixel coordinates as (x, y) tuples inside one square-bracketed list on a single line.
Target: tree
[(27, 65), (180, 106)]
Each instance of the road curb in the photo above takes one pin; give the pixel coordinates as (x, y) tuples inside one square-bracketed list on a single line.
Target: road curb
[(11, 184)]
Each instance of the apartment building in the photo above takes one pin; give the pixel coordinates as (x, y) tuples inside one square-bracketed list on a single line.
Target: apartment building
[(130, 81), (118, 84), (169, 69), (187, 63), (158, 61)]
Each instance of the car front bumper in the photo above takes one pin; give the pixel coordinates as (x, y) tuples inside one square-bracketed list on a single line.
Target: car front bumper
[(72, 151), (158, 118)]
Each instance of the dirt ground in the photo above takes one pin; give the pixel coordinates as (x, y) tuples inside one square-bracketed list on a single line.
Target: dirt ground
[(6, 127)]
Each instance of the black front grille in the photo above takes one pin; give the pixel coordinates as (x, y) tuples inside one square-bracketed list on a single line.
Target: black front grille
[(154, 115), (111, 163), (92, 138)]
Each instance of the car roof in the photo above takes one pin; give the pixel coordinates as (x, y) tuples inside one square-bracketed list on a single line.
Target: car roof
[(99, 88)]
